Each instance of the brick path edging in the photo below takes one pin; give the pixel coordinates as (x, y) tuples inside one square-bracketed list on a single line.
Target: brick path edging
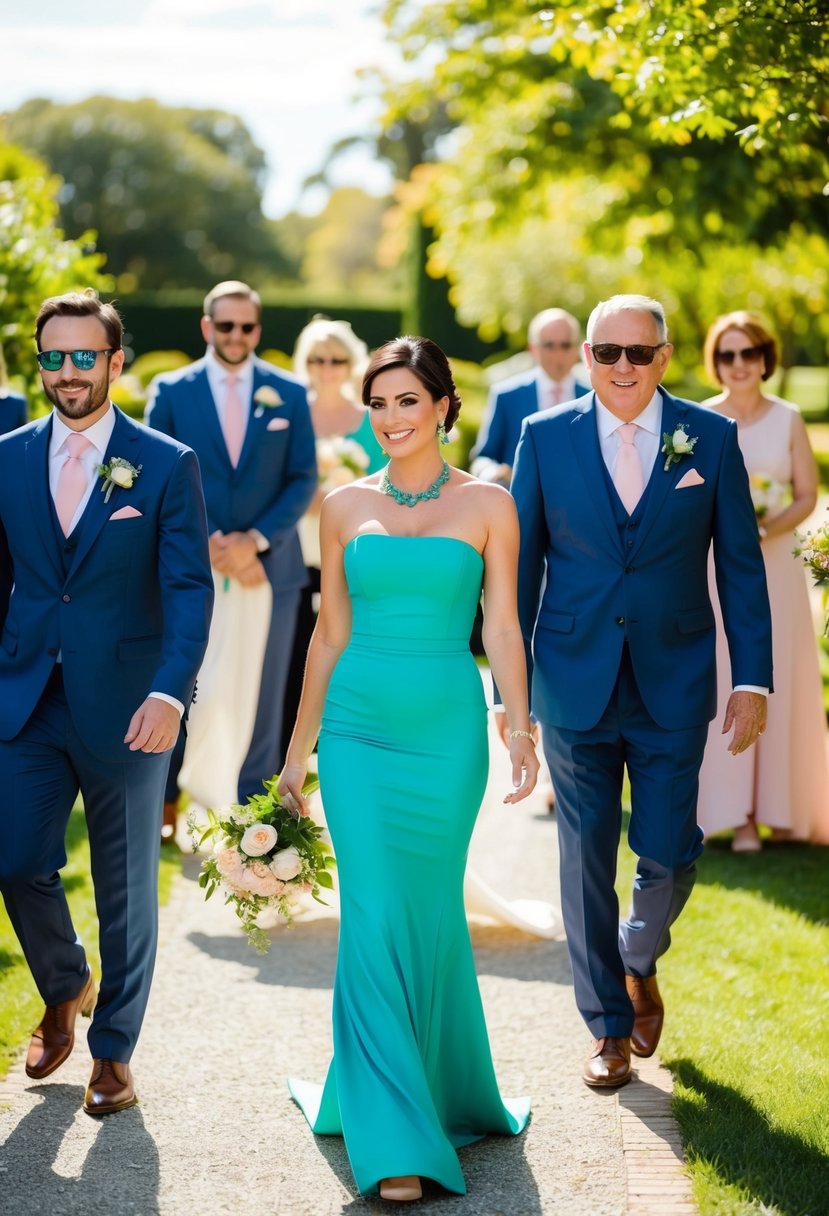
[(656, 1181)]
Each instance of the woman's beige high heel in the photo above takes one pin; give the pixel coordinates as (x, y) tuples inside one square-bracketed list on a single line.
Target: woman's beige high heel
[(401, 1190)]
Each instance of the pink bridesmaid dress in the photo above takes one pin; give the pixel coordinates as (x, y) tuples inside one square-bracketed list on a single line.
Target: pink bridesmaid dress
[(784, 778)]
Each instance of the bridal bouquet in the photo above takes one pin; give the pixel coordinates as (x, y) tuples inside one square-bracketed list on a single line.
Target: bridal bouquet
[(264, 855), (767, 495), (340, 461), (813, 547)]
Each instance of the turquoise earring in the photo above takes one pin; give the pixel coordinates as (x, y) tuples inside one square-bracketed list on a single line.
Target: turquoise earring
[(441, 433)]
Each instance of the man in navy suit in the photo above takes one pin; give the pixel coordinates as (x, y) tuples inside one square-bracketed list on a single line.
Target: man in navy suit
[(259, 474), (553, 337), (619, 631), (12, 411), (105, 601)]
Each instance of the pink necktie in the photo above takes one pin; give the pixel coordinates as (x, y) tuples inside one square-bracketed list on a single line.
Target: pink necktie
[(72, 481), (558, 394), (628, 475), (234, 424)]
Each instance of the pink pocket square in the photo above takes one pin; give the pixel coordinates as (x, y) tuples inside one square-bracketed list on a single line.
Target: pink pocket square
[(278, 424), (691, 478), (125, 513)]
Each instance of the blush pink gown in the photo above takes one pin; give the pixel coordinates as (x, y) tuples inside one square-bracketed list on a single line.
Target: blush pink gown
[(784, 778)]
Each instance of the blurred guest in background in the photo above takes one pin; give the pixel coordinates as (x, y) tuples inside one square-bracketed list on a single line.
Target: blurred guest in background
[(331, 359), (783, 782), (251, 430), (12, 405), (554, 341)]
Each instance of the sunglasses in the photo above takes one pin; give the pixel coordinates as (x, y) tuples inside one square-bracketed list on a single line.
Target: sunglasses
[(227, 327), (84, 360), (610, 352), (556, 345), (749, 354), (319, 361)]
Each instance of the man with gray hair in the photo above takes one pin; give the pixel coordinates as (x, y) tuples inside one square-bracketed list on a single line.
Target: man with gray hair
[(553, 338), (620, 496)]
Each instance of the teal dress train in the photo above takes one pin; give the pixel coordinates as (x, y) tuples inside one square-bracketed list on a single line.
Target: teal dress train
[(403, 761)]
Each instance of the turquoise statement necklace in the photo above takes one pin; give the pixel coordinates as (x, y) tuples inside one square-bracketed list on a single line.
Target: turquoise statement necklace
[(411, 500)]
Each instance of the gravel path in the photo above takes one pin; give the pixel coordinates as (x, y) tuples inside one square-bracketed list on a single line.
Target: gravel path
[(216, 1131)]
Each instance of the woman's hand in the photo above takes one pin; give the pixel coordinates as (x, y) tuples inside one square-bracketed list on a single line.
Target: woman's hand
[(524, 768), (289, 787)]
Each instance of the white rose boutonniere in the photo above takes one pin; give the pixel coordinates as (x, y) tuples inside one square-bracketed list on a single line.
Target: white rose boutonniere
[(266, 397), (117, 472), (675, 446)]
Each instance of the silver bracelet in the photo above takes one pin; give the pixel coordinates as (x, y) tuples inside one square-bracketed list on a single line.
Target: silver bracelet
[(520, 734)]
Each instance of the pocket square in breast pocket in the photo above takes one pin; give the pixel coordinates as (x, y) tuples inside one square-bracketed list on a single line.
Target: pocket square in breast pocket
[(691, 478), (278, 424), (125, 513)]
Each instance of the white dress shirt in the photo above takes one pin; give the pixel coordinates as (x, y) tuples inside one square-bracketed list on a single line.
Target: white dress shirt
[(546, 388), (99, 435)]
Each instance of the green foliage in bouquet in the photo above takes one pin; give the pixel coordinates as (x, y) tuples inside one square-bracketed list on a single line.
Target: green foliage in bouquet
[(265, 855)]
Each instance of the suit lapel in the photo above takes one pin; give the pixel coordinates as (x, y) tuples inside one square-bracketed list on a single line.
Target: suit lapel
[(208, 414), (123, 442), (40, 495), (585, 437), (255, 425), (661, 482)]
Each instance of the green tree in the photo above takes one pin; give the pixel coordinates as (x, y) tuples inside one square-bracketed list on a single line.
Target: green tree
[(341, 250), (175, 194), (36, 261)]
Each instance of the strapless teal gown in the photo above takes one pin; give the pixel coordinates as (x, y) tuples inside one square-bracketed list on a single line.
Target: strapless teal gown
[(403, 760)]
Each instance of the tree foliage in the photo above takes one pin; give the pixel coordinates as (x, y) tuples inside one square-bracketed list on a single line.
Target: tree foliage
[(36, 261), (175, 194)]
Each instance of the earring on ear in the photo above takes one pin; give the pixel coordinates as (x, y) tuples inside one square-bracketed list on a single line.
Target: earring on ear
[(441, 433)]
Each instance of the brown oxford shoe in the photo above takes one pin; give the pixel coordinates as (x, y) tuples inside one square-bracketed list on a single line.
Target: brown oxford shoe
[(608, 1063), (54, 1038), (648, 1012), (110, 1088)]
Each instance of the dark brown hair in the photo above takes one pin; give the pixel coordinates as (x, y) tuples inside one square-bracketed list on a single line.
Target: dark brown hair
[(84, 303), (754, 329), (424, 359)]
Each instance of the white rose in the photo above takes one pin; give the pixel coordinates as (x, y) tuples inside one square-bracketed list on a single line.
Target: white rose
[(258, 839), (267, 395), (287, 864), (680, 441), (122, 477)]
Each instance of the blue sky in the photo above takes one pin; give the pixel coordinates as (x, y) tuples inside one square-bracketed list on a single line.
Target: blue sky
[(287, 67)]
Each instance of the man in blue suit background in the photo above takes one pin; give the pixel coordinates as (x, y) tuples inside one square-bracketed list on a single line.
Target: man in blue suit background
[(259, 474), (12, 411), (553, 339), (105, 601), (619, 631)]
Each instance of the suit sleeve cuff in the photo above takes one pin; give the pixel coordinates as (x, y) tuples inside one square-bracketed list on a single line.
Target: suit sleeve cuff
[(751, 688), (162, 696)]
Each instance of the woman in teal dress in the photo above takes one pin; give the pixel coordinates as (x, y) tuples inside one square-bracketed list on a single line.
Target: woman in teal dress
[(396, 698)]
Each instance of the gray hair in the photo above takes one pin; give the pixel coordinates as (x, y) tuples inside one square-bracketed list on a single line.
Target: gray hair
[(544, 318), (629, 303)]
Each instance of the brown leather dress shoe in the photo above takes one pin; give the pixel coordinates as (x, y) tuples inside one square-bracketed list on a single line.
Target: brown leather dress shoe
[(607, 1065), (648, 1012), (110, 1088), (54, 1038)]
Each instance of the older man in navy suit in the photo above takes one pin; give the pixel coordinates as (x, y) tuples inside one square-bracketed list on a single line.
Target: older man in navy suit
[(251, 429), (620, 497), (553, 338), (105, 601)]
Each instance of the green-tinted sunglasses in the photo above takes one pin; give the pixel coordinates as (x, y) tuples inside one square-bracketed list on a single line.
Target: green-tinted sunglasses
[(84, 360)]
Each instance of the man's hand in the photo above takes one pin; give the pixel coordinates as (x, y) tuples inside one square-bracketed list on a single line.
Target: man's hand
[(253, 575), (154, 727), (231, 552), (746, 712)]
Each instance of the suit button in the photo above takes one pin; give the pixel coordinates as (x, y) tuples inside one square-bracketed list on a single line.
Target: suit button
[(620, 620), (628, 569), (66, 599), (52, 650), (630, 544)]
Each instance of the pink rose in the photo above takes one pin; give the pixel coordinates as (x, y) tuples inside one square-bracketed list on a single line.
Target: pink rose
[(258, 839)]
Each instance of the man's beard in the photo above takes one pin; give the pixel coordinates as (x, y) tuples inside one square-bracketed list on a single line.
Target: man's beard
[(79, 407)]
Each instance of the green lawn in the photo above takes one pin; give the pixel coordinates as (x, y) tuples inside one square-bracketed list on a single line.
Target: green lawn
[(20, 1005), (747, 999)]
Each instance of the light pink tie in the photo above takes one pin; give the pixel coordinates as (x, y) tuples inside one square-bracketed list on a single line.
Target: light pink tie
[(72, 481), (234, 424), (628, 475), (557, 394)]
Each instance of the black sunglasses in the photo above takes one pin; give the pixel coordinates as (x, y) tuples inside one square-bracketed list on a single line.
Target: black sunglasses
[(84, 360), (610, 352), (227, 327), (749, 354), (318, 360)]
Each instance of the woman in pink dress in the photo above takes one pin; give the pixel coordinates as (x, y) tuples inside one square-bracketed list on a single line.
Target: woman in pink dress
[(783, 782)]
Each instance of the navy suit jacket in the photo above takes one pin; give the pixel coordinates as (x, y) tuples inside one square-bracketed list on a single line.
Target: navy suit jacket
[(509, 403), (126, 602), (12, 412), (597, 592), (276, 476)]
